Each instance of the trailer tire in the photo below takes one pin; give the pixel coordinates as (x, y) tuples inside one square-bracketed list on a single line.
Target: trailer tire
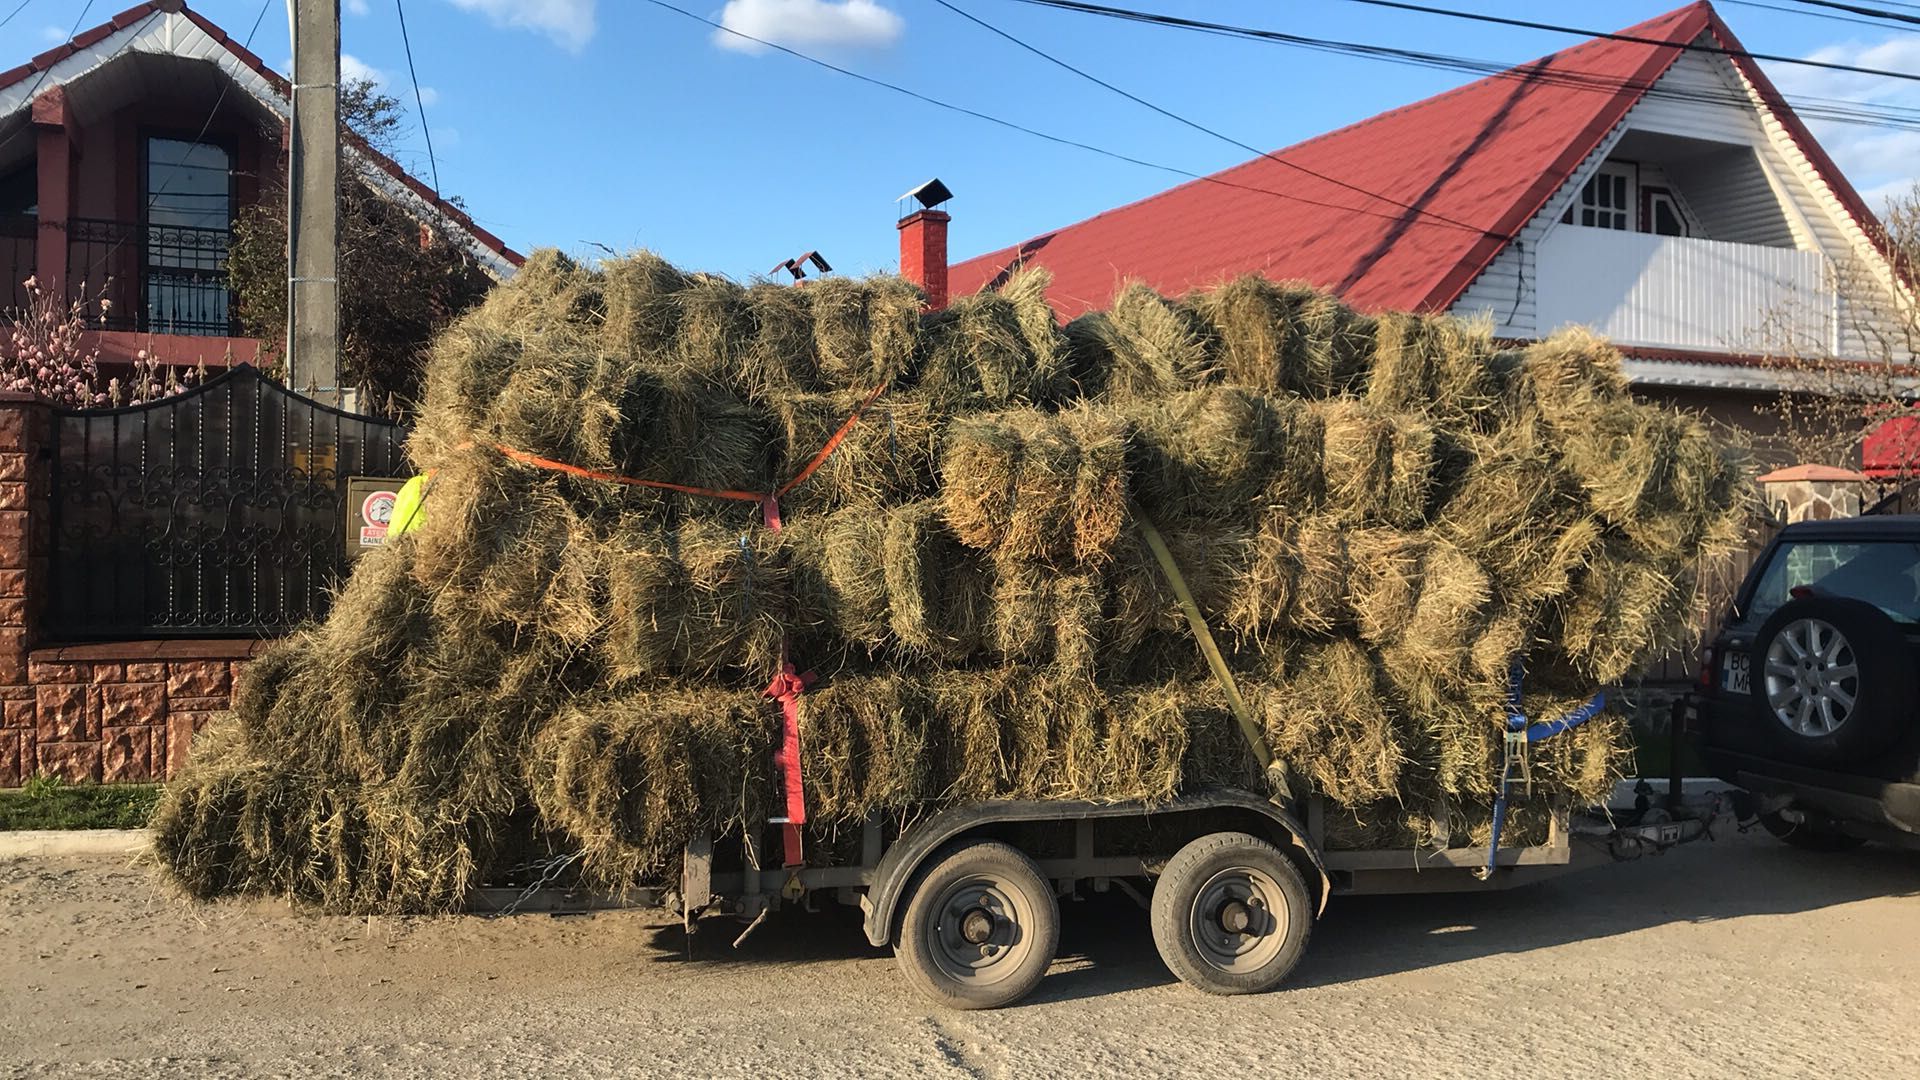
[(1231, 914), (980, 928)]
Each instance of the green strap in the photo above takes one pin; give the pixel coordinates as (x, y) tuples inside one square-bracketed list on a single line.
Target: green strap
[(1203, 637)]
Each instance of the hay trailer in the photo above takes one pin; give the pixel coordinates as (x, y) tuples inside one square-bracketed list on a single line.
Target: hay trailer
[(969, 896)]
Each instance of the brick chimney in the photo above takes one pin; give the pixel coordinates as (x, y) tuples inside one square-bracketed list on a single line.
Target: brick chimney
[(923, 241), (923, 253)]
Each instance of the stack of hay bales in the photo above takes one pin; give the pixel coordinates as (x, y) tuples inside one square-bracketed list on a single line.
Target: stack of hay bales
[(1378, 515)]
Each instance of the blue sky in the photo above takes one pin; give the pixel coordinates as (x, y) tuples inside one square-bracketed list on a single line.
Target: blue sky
[(577, 122)]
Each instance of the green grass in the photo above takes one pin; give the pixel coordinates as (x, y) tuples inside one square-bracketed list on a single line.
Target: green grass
[(47, 803)]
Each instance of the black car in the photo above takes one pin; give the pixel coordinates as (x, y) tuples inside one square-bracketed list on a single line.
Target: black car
[(1809, 697)]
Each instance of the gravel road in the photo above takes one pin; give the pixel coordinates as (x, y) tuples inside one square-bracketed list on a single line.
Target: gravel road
[(1736, 958)]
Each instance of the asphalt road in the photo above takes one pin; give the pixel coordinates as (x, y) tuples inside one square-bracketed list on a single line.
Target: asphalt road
[(1738, 958)]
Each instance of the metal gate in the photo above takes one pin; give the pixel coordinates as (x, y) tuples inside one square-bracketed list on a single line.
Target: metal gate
[(215, 513)]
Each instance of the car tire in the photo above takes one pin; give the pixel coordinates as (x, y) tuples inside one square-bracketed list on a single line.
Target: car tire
[(1809, 834), (1833, 680)]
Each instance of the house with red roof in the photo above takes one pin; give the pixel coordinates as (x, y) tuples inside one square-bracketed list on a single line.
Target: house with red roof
[(1653, 185), (125, 155)]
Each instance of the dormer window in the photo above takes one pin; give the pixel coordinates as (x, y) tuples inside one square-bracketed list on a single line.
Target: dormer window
[(1606, 202)]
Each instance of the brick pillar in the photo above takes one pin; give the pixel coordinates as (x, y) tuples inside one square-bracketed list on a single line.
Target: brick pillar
[(23, 549), (53, 132)]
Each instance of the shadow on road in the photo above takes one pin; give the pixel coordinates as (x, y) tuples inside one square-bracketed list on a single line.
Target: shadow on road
[(1105, 947)]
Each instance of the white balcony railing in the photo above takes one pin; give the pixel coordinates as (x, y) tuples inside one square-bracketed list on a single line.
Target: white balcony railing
[(1683, 293)]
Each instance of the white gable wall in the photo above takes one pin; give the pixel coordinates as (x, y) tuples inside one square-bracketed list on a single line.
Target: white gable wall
[(1748, 203)]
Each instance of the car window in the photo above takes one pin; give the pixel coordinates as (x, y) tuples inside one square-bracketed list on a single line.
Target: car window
[(1884, 573)]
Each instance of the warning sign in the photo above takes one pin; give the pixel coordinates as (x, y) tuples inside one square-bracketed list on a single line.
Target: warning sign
[(370, 511)]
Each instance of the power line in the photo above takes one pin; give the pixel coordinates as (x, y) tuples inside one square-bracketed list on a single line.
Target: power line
[(1807, 14), (1837, 110), (1857, 9), (1023, 129), (1197, 126), (18, 8), (419, 106), (1635, 39)]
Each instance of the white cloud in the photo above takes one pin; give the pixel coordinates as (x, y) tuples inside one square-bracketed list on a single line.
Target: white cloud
[(1878, 161), (53, 35), (843, 23), (357, 7), (354, 69), (570, 23)]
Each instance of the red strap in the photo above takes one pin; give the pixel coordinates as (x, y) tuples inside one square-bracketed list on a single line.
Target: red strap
[(832, 443), (786, 688), (615, 478), (773, 518)]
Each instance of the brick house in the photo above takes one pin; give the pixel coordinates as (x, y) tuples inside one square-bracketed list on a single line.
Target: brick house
[(1668, 196), (124, 156)]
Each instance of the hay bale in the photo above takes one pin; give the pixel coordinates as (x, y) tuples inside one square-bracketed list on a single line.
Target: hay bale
[(1571, 375), (1041, 616), (837, 575), (1031, 485), (1287, 337), (864, 331), (781, 358), (886, 457), (716, 329), (1621, 610), (1215, 565), (1326, 715), (1418, 599), (1223, 453), (1520, 513), (866, 747), (979, 356), (643, 320), (937, 589), (1432, 363), (628, 778), (1147, 347), (1380, 466), (1026, 291)]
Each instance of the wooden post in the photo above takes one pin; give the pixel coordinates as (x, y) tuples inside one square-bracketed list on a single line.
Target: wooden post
[(313, 203)]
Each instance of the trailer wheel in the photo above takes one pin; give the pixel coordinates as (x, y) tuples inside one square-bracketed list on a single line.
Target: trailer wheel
[(1231, 914), (980, 928)]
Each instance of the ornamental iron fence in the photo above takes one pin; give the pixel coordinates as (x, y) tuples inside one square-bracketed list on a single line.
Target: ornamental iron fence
[(218, 512)]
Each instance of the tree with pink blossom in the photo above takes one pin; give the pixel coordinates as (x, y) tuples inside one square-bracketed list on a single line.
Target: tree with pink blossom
[(44, 351)]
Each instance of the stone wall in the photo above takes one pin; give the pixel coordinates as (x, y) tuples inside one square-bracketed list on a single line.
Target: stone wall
[(106, 711)]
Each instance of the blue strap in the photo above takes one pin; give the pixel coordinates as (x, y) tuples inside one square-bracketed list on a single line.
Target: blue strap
[(1516, 723)]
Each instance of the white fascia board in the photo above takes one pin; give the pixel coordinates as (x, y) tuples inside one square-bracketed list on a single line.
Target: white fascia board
[(1701, 375)]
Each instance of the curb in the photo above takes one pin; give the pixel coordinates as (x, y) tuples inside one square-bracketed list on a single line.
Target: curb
[(28, 843)]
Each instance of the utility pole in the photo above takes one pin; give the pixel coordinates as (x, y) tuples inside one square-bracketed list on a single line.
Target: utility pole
[(313, 202)]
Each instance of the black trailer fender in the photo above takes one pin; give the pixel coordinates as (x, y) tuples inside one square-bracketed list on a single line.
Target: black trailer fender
[(897, 867)]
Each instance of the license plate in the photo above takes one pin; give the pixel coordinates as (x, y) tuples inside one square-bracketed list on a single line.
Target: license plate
[(1734, 672)]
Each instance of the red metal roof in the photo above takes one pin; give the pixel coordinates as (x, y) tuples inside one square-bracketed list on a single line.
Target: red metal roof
[(1892, 450), (87, 38), (1476, 163)]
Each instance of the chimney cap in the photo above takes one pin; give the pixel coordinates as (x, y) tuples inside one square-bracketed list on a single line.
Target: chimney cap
[(928, 195), (797, 266)]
